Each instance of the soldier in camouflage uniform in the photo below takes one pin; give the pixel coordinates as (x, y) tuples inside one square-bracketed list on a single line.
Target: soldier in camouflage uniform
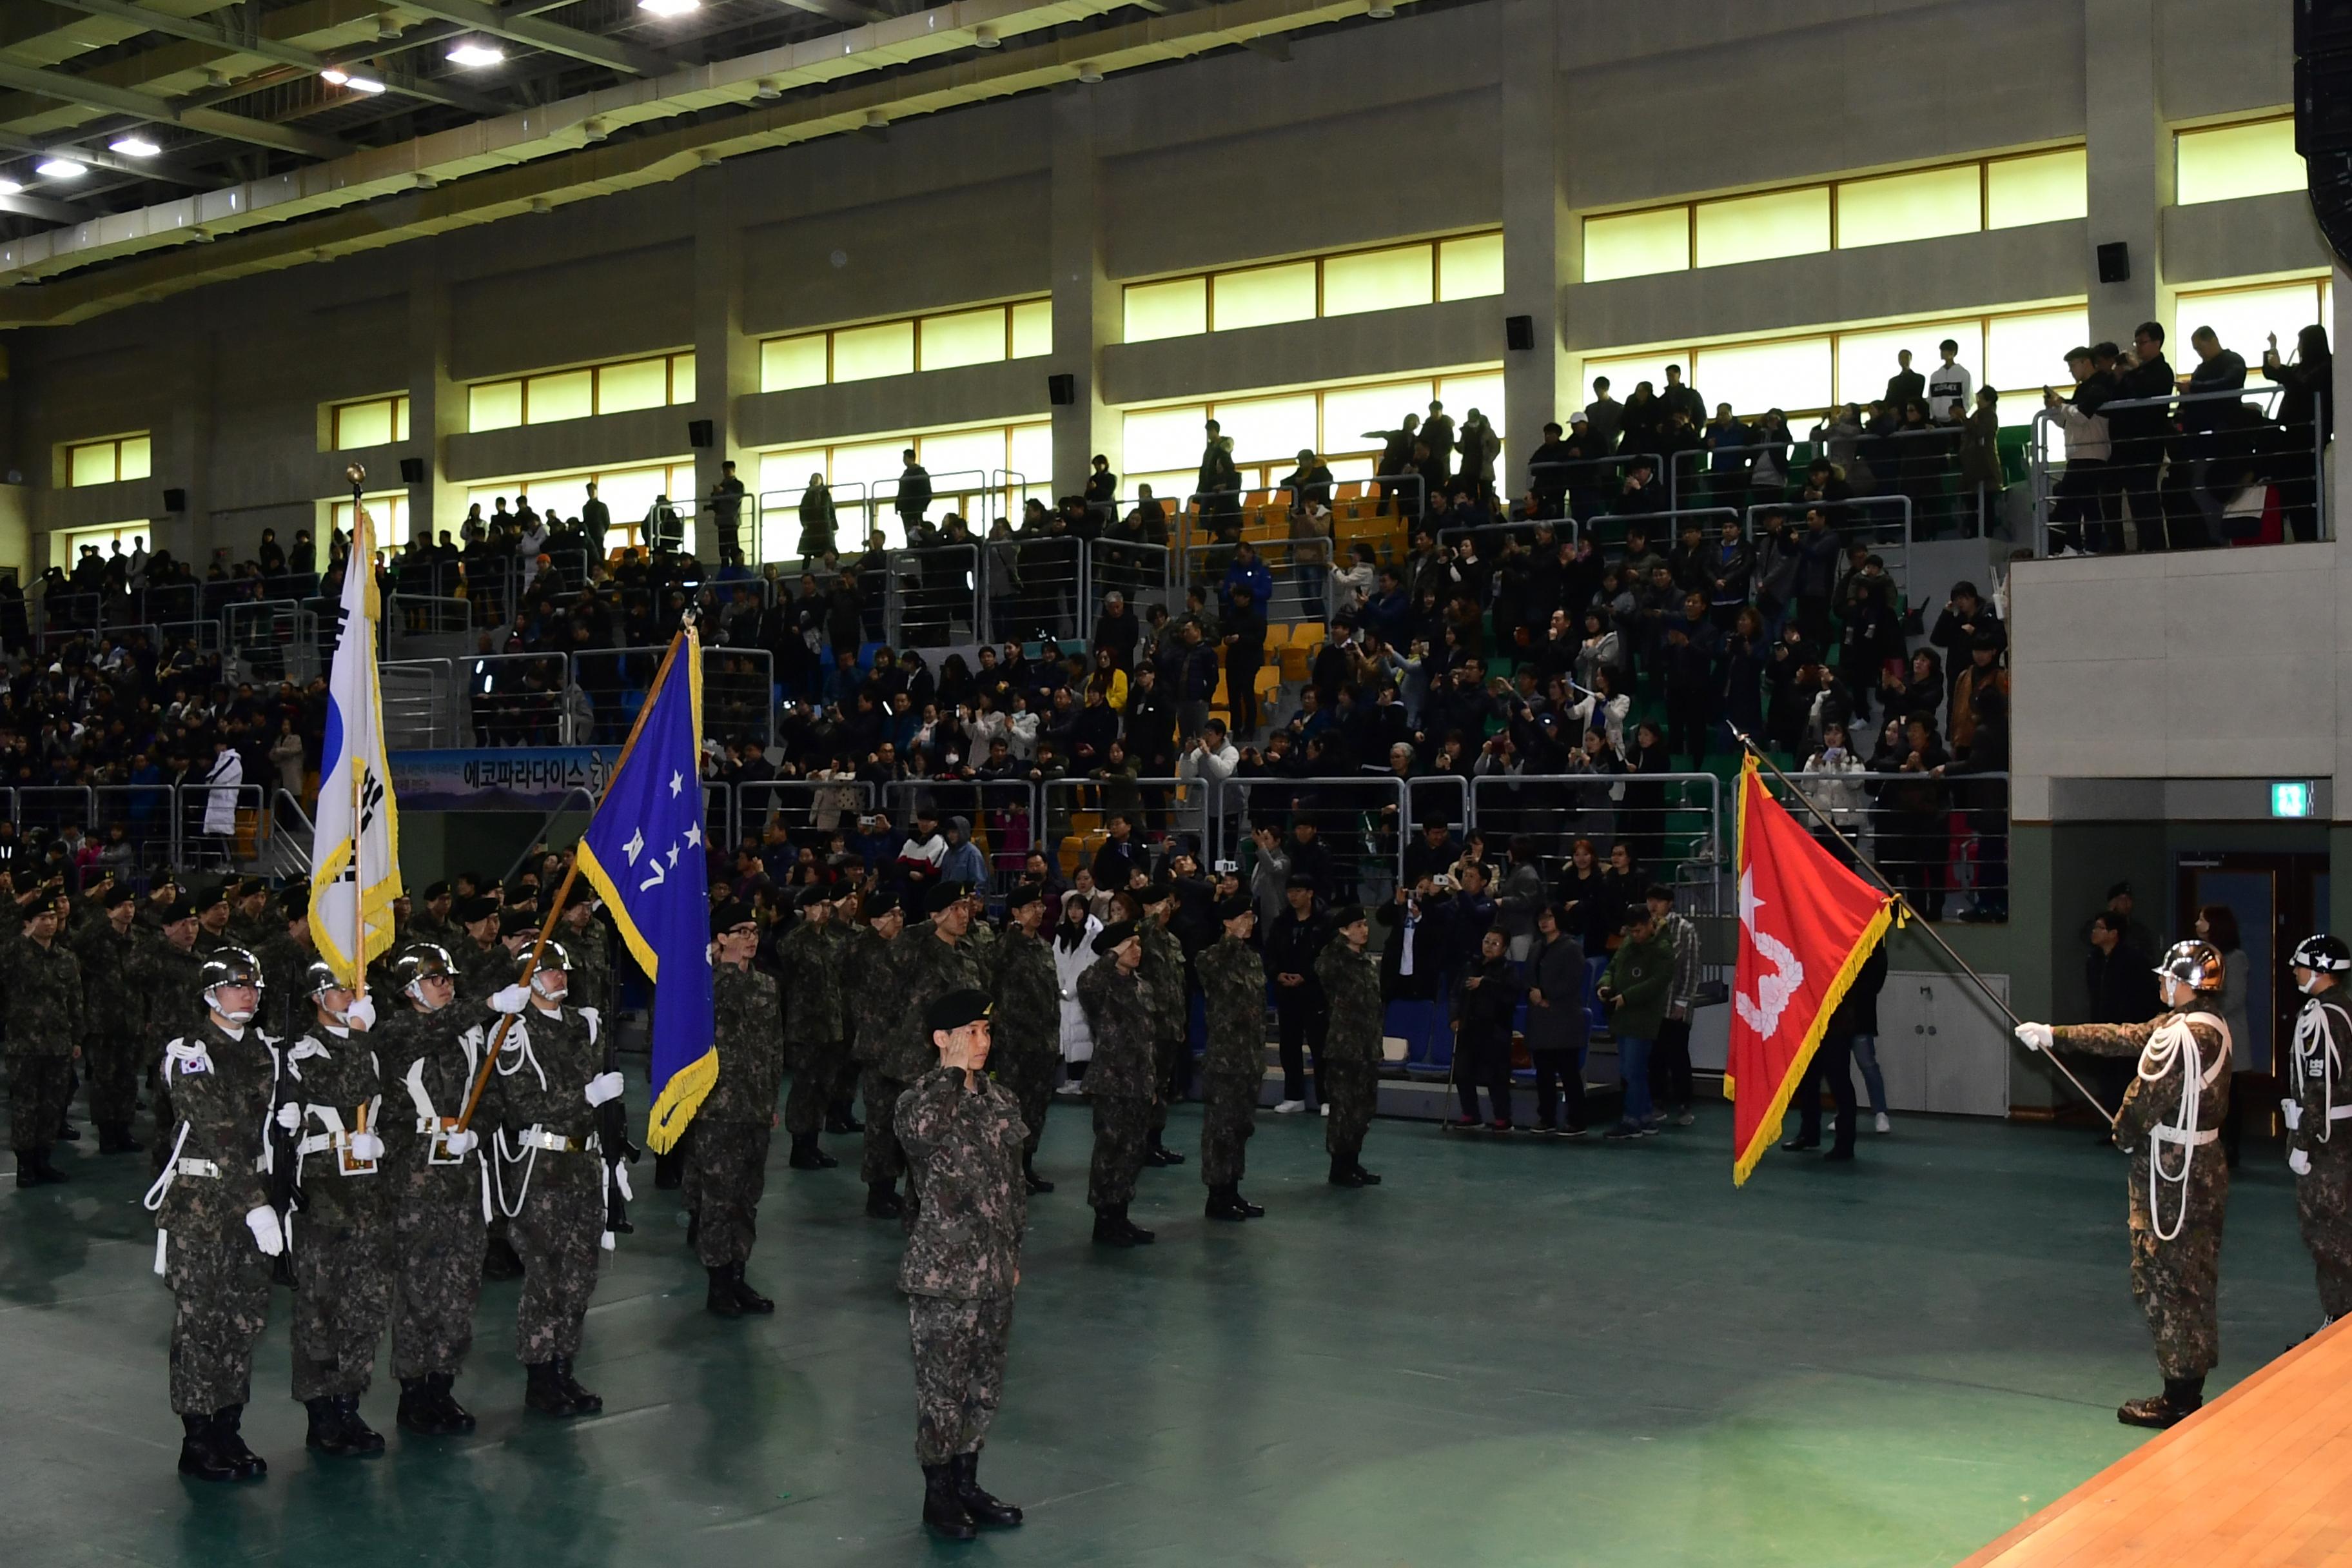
[(841, 1104), (216, 1228), (929, 959), (1353, 1028), (1118, 1080), (249, 925), (112, 1047), (427, 1056), (2178, 1183), (330, 1099), (1232, 986), (1025, 1018), (285, 958), (211, 904), (45, 1034), (1164, 983), (431, 922), (867, 979), (163, 968), (2319, 1117), (962, 1133), (591, 947), (484, 962), (727, 1168), (550, 1078), (814, 1040)]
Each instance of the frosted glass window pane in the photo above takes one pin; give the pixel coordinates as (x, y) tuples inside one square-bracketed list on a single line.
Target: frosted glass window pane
[(967, 337), (1910, 207), (1349, 411), (91, 465), (784, 479), (562, 497), (789, 362), (135, 458), (400, 419), (2025, 353), (2241, 317), (975, 450), (1376, 280), (681, 378), (1470, 268), (1626, 371), (1178, 309), (1267, 429), (640, 384), (2048, 187), (1484, 393), (1627, 245), (1033, 329), (1866, 362), (2236, 160), (563, 395), (862, 353), (1264, 295), (869, 463), (1755, 229), (362, 424), (1753, 377), (628, 493), (1033, 452), (1166, 438), (497, 406)]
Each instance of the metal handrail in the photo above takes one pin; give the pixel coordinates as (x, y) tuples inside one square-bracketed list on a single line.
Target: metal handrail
[(1225, 811), (2265, 398), (1611, 788)]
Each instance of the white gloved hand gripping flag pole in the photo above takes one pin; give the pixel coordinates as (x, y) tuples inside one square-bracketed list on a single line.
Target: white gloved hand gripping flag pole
[(355, 851)]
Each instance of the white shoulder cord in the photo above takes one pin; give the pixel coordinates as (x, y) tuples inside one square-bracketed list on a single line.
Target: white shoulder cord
[(2315, 1059), (2175, 1044), (528, 1158)]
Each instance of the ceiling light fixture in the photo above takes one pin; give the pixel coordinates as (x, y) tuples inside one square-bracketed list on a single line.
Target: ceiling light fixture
[(474, 52), (983, 38), (10, 188), (364, 84), (59, 169), (1380, 13), (134, 147), (669, 7), (766, 88), (334, 75), (1089, 72), (542, 206), (594, 131)]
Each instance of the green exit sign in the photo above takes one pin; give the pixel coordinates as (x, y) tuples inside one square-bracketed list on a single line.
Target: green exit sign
[(2291, 799)]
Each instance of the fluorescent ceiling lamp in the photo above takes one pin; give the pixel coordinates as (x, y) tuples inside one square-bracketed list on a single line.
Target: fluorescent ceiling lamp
[(134, 146), (10, 188), (669, 7), (474, 52), (59, 169), (335, 75), (365, 84)]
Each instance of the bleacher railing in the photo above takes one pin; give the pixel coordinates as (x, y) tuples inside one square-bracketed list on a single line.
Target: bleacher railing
[(424, 705), (1666, 821), (1590, 485), (1348, 813), (1075, 813), (1300, 590), (2180, 485), (931, 597), (1144, 574), (1939, 837), (271, 639), (738, 694), (804, 805), (1881, 524), (614, 681), (780, 520), (1003, 814), (1662, 529), (517, 699), (1036, 587)]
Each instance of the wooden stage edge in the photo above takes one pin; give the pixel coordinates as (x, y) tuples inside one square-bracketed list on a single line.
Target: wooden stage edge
[(2261, 1475)]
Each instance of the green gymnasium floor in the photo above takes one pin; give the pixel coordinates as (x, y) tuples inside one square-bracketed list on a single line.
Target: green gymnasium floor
[(1512, 1352)]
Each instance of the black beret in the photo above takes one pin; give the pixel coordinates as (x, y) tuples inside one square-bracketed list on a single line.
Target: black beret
[(1025, 894), (1112, 935), (813, 895), (1234, 908), (875, 905), (521, 915), (1347, 915), (120, 894), (1300, 879), (249, 886), (436, 889), (206, 896), (954, 1010), (728, 916), (480, 907), (945, 896), (295, 902), (1158, 893)]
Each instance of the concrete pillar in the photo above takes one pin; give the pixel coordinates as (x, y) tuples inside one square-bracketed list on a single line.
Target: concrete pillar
[(181, 457), (725, 367), (1086, 305), (2129, 155), (436, 404), (1540, 252)]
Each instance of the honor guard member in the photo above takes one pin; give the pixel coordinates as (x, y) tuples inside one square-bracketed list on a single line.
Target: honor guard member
[(728, 1166), (214, 1227), (545, 1170), (1025, 1018), (867, 981), (330, 1100), (963, 1134), (44, 1034), (428, 1055), (286, 960), (1118, 1080), (1232, 987), (2178, 1182), (431, 920), (165, 967), (1163, 983), (2318, 1113), (814, 1040), (1352, 1031), (482, 972), (926, 963), (112, 1048)]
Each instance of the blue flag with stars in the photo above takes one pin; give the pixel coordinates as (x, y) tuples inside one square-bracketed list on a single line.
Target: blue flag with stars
[(644, 852)]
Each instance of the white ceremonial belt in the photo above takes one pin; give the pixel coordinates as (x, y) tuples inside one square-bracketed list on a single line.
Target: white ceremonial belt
[(539, 1138), (187, 1167), (2339, 1113), (2168, 1134), (319, 1143)]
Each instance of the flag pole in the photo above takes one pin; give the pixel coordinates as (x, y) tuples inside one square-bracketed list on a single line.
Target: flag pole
[(357, 474), (564, 891), (1753, 750)]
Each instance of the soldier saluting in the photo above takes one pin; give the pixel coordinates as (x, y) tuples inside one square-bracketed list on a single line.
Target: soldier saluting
[(2319, 1117), (1232, 987), (1119, 1015), (963, 1134), (1025, 1017), (2178, 1183)]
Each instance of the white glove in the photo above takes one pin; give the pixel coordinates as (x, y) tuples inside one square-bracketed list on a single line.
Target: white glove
[(605, 1086), (290, 1116), (367, 1147), (267, 1234), (621, 1180), (513, 999), (462, 1141), (2292, 1110), (2299, 1161), (2036, 1036), (362, 1015)]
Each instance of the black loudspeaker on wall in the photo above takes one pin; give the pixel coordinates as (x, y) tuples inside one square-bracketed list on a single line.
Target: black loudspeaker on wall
[(2115, 262), (412, 470), (1520, 332), (700, 433), (2322, 114), (175, 500), (1061, 391)]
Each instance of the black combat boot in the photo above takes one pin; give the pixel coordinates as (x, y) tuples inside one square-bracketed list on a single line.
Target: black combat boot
[(544, 1391), (456, 1419), (1344, 1172), (841, 1119), (693, 1227), (1111, 1230), (363, 1438), (198, 1455), (1249, 1209), (807, 1156), (1135, 1235), (45, 1169), (500, 1261), (750, 1299), (426, 1409), (1160, 1154), (114, 1138), (326, 1433), (883, 1202), (582, 1402), (720, 1302), (1225, 1204), (943, 1511), (983, 1508), (669, 1170), (1364, 1178), (1038, 1183), (68, 1133), (28, 1175), (2181, 1398), (229, 1444)]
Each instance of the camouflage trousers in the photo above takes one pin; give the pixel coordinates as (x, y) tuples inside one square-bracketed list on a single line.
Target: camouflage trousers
[(437, 1236), (167, 1121), (1228, 1121), (884, 1160), (1122, 1132), (220, 1305), (960, 1349), (1030, 1076), (1352, 1089), (557, 1232), (112, 1064), (343, 1298), (1167, 1061), (726, 1171), (2177, 1282), (2322, 1204), (38, 1087), (816, 1077)]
